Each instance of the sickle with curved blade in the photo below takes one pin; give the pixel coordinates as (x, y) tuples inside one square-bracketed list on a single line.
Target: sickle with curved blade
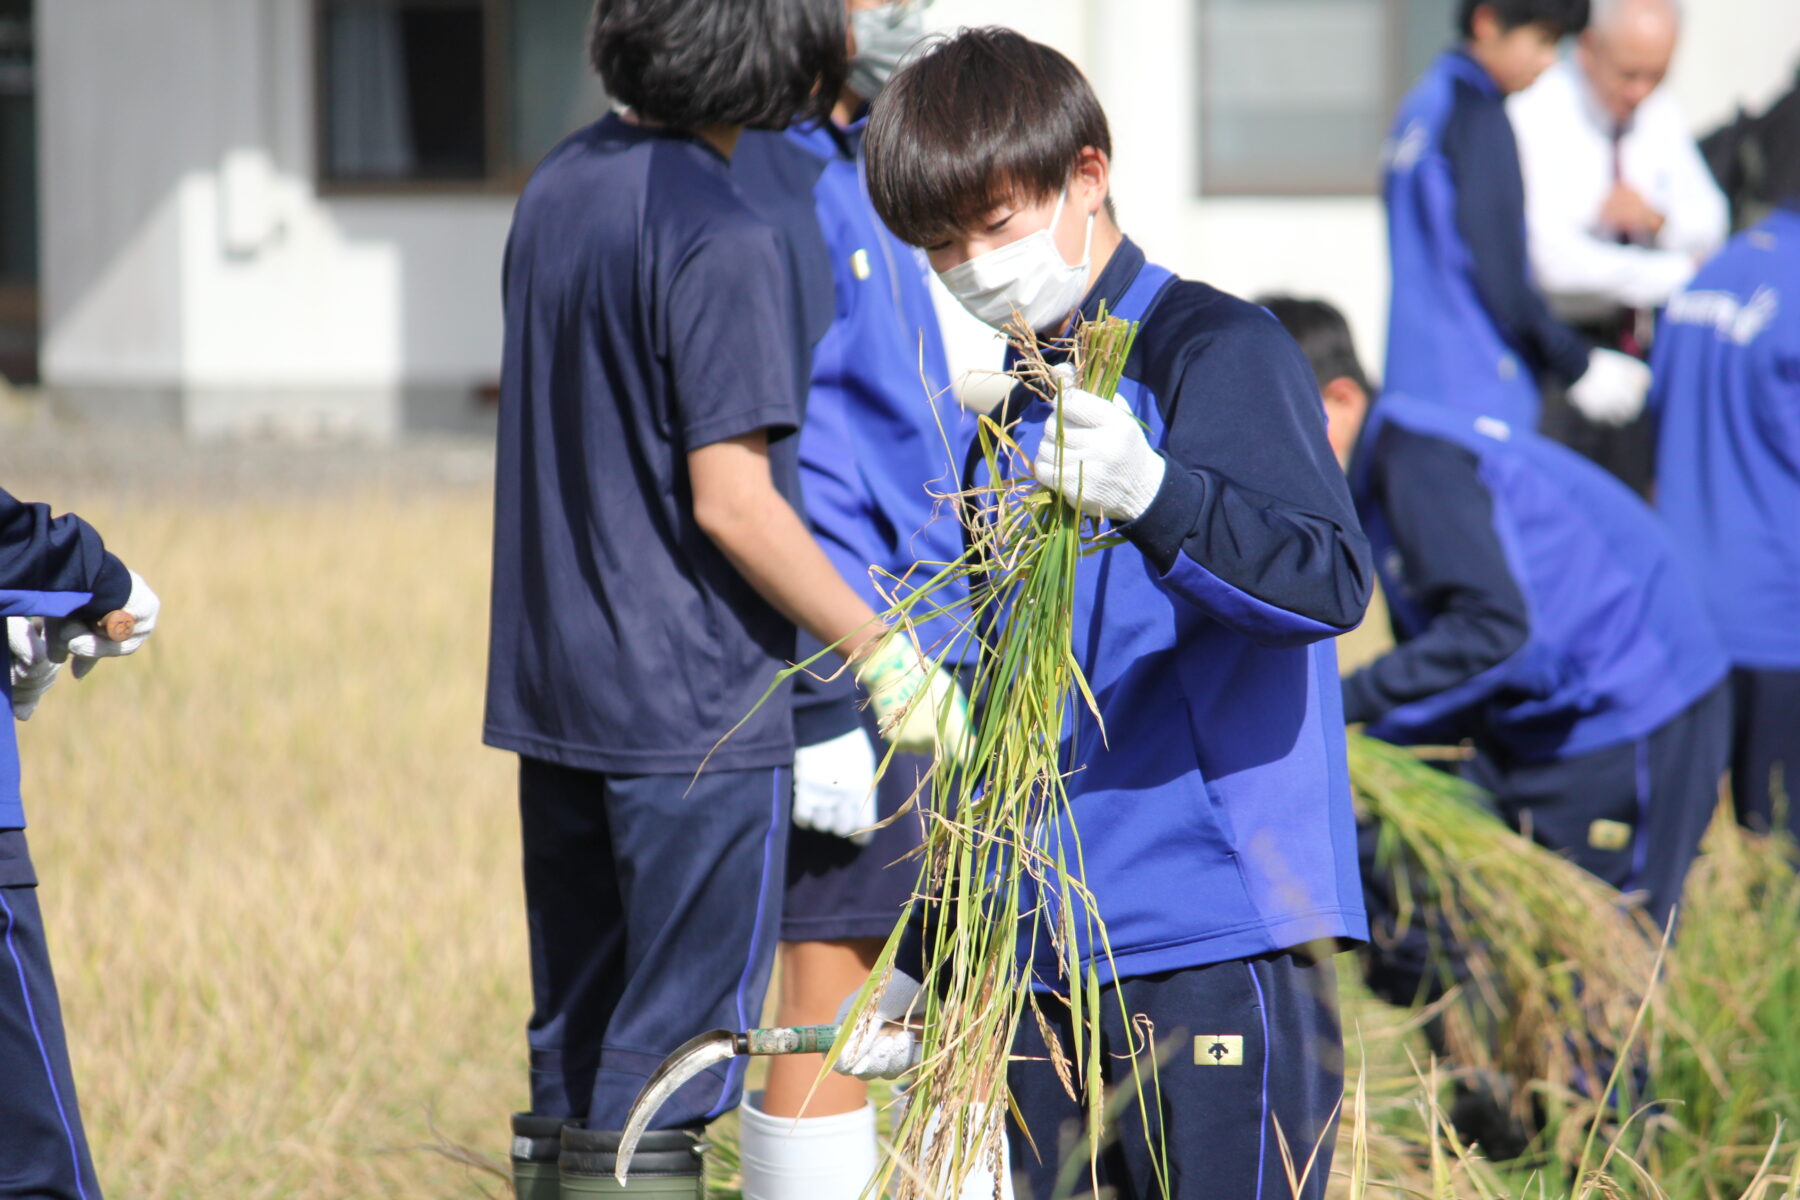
[(696, 1055)]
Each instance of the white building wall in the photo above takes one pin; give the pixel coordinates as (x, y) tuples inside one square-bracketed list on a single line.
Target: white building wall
[(190, 265)]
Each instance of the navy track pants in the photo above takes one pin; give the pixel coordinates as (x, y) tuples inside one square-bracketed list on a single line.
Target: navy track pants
[(43, 1151), (1251, 1055), (1631, 814), (1765, 747), (653, 904)]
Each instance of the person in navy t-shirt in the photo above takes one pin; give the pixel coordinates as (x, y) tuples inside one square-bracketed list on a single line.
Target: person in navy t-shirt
[(650, 568), (1215, 825), (1541, 613), (56, 580), (1467, 327), (1727, 397), (879, 451)]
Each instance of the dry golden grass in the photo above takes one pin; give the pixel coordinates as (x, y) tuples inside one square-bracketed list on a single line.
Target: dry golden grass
[(279, 870)]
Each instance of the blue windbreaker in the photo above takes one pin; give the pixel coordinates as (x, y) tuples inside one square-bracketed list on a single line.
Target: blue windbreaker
[(1466, 326), (1216, 825), (49, 567), (1727, 392), (883, 435), (1537, 602)]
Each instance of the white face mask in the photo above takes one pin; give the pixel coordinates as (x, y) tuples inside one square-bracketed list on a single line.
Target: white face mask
[(1028, 276)]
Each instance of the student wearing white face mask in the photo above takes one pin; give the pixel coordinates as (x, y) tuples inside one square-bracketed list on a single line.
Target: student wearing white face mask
[(1215, 825)]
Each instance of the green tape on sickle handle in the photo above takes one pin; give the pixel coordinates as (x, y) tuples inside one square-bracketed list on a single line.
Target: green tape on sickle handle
[(799, 1039)]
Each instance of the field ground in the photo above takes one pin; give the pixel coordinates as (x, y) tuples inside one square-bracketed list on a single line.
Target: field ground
[(279, 869)]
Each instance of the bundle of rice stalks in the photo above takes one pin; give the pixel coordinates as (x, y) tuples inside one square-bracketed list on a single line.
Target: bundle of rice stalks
[(1546, 970), (1000, 867)]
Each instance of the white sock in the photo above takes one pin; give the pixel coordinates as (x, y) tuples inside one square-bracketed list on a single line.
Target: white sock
[(809, 1158)]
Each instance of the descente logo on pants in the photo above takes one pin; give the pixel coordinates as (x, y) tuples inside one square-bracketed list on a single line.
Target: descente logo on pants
[(1219, 1050)]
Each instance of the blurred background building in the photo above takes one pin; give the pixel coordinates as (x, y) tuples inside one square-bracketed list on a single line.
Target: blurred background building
[(247, 216)]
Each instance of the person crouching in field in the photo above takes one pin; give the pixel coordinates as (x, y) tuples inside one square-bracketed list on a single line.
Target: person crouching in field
[(1540, 612), (650, 569), (1216, 826), (1542, 616)]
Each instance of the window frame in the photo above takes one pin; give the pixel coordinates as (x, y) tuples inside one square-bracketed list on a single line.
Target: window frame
[(1393, 26), (502, 177)]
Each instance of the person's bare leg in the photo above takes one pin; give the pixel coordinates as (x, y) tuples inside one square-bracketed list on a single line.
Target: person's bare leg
[(815, 978)]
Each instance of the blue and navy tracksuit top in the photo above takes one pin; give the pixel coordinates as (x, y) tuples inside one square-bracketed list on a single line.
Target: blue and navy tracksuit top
[(1466, 325), (1538, 604), (1727, 395), (49, 567), (883, 433), (1216, 825)]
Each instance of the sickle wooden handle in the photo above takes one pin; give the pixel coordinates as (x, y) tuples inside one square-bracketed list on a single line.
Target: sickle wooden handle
[(117, 626)]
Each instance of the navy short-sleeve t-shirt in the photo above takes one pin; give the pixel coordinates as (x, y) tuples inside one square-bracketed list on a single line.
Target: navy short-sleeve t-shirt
[(648, 313)]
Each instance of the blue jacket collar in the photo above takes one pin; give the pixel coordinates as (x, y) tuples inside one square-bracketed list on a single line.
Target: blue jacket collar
[(828, 139), (1120, 273), (1461, 64)]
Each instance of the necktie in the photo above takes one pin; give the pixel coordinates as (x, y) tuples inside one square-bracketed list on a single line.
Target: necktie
[(1633, 326)]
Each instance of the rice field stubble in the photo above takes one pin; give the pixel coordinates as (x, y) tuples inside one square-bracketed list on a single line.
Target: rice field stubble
[(280, 872)]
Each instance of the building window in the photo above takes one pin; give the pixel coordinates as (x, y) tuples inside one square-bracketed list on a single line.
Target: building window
[(18, 195), (1296, 95), (436, 94)]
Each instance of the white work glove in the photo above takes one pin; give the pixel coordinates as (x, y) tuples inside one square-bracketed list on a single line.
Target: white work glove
[(32, 670), (75, 638), (919, 707), (834, 786), (881, 1046), (1106, 460), (1613, 389)]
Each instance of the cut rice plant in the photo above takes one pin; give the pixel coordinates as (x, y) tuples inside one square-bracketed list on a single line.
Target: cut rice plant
[(1001, 870), (1000, 866), (1517, 928)]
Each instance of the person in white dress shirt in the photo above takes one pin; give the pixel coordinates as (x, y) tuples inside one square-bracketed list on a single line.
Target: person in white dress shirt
[(1621, 210)]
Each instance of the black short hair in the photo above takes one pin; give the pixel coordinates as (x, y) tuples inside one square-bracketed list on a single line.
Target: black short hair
[(693, 63), (1323, 334), (1566, 17), (976, 120)]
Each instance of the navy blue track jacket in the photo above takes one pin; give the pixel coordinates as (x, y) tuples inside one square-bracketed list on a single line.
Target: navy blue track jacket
[(1217, 823), (1466, 326), (1537, 602), (1727, 395), (49, 567)]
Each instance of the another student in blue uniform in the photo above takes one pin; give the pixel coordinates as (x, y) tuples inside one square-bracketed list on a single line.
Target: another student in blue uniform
[(1540, 611), (1466, 326), (882, 431), (56, 569), (650, 569), (1728, 486), (1216, 826)]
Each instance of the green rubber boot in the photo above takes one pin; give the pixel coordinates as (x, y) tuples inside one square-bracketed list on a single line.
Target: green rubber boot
[(668, 1165), (536, 1146)]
